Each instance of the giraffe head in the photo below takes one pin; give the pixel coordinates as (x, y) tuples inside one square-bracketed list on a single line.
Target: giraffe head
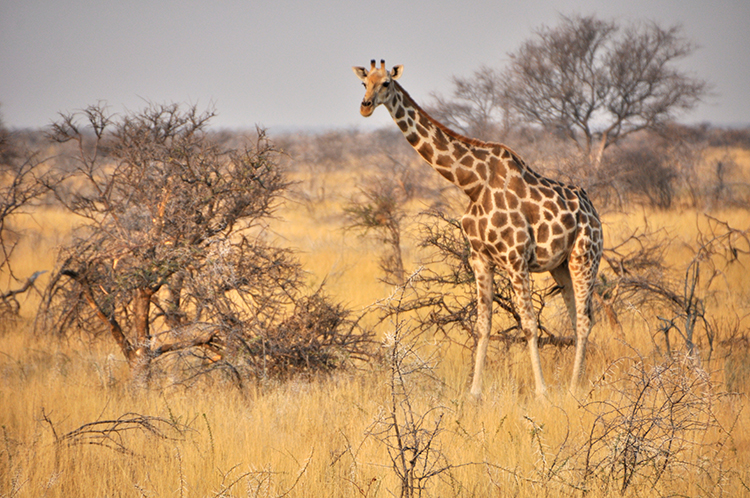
[(377, 83)]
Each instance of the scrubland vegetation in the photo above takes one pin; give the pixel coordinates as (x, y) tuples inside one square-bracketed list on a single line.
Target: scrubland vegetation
[(654, 419)]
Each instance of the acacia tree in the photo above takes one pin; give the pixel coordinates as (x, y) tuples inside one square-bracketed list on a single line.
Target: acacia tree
[(596, 83), (171, 256), (588, 80)]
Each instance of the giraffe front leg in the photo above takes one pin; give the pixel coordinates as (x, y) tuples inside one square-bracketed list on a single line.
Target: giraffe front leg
[(525, 308), (483, 275)]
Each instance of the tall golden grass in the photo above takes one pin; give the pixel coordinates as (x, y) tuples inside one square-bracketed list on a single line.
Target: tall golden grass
[(72, 425)]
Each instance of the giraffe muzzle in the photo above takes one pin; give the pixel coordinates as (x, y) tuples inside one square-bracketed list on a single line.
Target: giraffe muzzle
[(366, 108)]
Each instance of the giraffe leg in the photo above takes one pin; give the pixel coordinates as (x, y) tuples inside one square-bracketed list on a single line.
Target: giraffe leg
[(582, 335), (522, 292), (583, 273), (483, 275)]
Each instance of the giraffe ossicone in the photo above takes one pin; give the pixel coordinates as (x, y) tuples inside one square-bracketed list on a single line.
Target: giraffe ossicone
[(516, 220)]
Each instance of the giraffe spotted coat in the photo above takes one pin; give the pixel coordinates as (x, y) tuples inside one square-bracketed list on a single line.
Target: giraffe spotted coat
[(516, 219)]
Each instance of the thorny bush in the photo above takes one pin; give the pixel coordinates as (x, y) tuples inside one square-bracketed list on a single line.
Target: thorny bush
[(172, 260)]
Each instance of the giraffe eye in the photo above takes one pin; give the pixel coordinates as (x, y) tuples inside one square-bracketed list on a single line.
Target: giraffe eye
[(364, 84), (385, 84)]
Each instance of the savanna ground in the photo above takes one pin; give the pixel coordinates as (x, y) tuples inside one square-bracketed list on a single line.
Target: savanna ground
[(651, 421)]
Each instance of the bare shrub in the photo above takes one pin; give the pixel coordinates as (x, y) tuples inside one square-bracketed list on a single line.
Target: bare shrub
[(380, 208), (172, 260), (651, 429), (645, 427), (636, 275), (409, 430), (118, 434), (24, 181), (642, 176)]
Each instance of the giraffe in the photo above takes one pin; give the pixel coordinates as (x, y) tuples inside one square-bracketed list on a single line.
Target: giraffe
[(516, 220)]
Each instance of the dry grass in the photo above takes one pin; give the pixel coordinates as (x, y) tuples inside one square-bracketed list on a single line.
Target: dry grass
[(314, 438), (319, 437)]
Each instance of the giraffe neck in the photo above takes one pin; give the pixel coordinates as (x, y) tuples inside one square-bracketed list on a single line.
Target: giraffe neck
[(463, 161)]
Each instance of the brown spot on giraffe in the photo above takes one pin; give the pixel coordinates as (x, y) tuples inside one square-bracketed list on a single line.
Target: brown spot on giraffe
[(459, 151), (448, 175), (507, 234), (542, 234), (511, 200), (465, 177), (514, 167), (474, 192), (481, 170), (499, 219), (480, 154), (517, 219), (444, 161), (469, 225), (482, 225), (426, 151), (568, 221), (440, 141), (518, 186), (531, 211), (496, 181), (530, 179), (486, 200), (500, 201)]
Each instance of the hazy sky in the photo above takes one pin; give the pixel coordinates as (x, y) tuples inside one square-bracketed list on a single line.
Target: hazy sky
[(284, 63)]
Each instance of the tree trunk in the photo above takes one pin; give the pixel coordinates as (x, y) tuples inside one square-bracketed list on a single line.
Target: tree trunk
[(141, 362)]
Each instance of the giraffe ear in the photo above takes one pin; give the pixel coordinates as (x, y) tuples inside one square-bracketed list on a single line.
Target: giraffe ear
[(360, 72), (397, 72)]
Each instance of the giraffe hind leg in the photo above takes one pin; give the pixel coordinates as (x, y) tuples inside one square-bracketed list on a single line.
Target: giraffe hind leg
[(583, 274)]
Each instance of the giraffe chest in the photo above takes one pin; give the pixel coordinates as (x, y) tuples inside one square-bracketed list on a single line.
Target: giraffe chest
[(538, 233)]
